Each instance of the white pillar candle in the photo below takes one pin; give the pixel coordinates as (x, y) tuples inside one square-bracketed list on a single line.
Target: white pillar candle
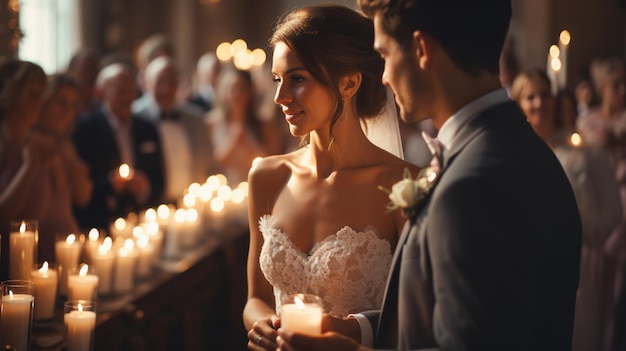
[(82, 284), (45, 281), (146, 256), (22, 245), (103, 262), (79, 329), (15, 322), (125, 268), (91, 246), (154, 232), (121, 228), (67, 252), (302, 314)]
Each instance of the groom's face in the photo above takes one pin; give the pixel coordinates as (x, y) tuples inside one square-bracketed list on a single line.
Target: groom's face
[(402, 75)]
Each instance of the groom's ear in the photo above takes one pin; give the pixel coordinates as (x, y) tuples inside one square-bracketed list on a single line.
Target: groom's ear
[(349, 85)]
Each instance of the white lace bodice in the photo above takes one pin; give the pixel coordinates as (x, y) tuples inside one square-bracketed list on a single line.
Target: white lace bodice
[(348, 270)]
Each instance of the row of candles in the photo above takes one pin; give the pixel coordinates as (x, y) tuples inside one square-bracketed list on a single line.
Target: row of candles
[(557, 62), (113, 263)]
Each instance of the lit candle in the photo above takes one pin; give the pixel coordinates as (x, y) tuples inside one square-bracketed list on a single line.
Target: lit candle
[(68, 254), (146, 256), (302, 313), (22, 245), (45, 281), (79, 328), (16, 319), (154, 232), (564, 40), (93, 241), (103, 262), (575, 139), (82, 284), (121, 228), (125, 267), (173, 244), (125, 171)]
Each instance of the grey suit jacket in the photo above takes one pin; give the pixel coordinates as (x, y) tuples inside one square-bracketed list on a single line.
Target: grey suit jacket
[(491, 260)]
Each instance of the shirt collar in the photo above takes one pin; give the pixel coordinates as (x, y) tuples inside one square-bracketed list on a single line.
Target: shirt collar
[(450, 127)]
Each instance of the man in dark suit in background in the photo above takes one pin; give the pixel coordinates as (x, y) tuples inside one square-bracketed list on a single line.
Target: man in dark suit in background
[(489, 260), (113, 136)]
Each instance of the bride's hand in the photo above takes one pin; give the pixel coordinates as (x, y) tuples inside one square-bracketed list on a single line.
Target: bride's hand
[(263, 334)]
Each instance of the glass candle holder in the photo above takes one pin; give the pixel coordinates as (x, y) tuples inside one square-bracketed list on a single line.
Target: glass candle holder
[(79, 318), (16, 313), (23, 239), (45, 279), (302, 313)]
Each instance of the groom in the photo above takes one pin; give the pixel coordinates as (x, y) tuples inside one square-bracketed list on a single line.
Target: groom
[(490, 260)]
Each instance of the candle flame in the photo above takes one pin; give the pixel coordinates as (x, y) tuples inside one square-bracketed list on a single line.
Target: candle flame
[(237, 196), (151, 215), (180, 215), (10, 294), (44, 268), (217, 205), (554, 51), (142, 242), (152, 228), (83, 270), (80, 308), (213, 182), (555, 63), (163, 211), (129, 244), (94, 234), (575, 139), (224, 192), (108, 242), (138, 231), (23, 227), (189, 200), (299, 303), (120, 223), (565, 37), (194, 188), (70, 239), (124, 171)]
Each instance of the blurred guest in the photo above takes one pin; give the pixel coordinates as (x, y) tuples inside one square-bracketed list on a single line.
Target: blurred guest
[(113, 136), (154, 46), (187, 150), (205, 78), (566, 111), (25, 153), (585, 96), (67, 175), (83, 66), (591, 175), (235, 128)]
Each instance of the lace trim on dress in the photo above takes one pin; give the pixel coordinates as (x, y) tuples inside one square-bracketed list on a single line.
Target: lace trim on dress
[(348, 269)]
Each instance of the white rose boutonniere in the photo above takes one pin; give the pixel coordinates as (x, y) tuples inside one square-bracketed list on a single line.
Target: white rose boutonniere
[(408, 194)]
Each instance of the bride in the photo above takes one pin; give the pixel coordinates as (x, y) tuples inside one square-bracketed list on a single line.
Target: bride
[(317, 218)]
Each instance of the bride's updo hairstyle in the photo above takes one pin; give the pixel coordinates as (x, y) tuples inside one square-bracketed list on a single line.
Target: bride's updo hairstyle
[(333, 41)]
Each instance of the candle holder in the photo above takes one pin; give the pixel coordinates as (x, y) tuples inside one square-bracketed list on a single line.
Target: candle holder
[(45, 279), (79, 317), (302, 313), (17, 313), (23, 240)]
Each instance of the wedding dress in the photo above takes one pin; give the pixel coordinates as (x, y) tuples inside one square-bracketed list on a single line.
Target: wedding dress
[(348, 269)]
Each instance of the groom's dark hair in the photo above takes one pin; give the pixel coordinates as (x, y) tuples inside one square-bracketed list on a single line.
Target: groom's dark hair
[(471, 31)]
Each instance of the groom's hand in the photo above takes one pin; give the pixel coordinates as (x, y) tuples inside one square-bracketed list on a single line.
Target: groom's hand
[(288, 341)]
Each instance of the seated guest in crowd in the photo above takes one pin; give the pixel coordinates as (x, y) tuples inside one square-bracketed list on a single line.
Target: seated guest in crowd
[(67, 175), (597, 194), (237, 132), (187, 150), (25, 153), (113, 136), (83, 66)]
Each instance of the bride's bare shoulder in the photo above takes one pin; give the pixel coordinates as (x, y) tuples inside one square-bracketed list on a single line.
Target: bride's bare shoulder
[(272, 168)]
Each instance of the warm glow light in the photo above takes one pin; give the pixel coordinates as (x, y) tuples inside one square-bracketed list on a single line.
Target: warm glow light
[(10, 294), (44, 268), (243, 60), (120, 223), (152, 228), (256, 161), (151, 215), (23, 227), (102, 249), (555, 63), (213, 182), (191, 215), (205, 193), (554, 51), (565, 37), (237, 46), (124, 171), (163, 211), (258, 57), (299, 303), (70, 239), (194, 189), (180, 215), (189, 200), (138, 231), (217, 205), (142, 242), (224, 192), (83, 270), (129, 244), (575, 139), (107, 243), (94, 234), (243, 186), (80, 308), (222, 179), (223, 51), (237, 196)]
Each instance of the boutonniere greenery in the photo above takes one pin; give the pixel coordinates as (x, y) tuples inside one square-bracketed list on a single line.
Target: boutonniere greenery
[(408, 194)]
